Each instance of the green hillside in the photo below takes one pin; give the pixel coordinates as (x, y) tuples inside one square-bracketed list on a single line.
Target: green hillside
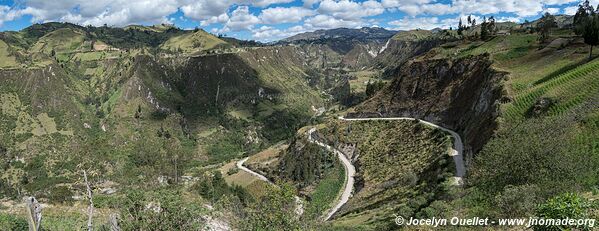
[(193, 42), (546, 142), (161, 120)]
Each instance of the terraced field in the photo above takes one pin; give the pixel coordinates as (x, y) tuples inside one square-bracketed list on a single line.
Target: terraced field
[(568, 89)]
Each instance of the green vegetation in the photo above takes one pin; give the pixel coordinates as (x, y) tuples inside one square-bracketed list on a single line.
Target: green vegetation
[(11, 222), (213, 187), (403, 168), (325, 193), (152, 113), (164, 210), (274, 211), (545, 25), (546, 142), (193, 42), (6, 58), (566, 206), (572, 87), (118, 103), (413, 35), (586, 24), (305, 163)]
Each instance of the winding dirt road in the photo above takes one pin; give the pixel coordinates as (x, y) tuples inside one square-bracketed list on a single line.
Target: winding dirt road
[(456, 153), (299, 209), (350, 171)]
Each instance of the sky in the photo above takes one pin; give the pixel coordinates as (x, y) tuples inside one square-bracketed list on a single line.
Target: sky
[(269, 20)]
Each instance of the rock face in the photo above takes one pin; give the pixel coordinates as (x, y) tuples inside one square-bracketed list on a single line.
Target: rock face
[(461, 94), (342, 47), (399, 51)]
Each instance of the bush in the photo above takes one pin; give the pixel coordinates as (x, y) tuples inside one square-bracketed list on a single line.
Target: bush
[(518, 201), (159, 114), (567, 205), (165, 210), (275, 211), (12, 222), (213, 187), (60, 194), (232, 171)]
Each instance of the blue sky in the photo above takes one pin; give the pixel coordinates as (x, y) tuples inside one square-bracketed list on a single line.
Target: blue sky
[(268, 20)]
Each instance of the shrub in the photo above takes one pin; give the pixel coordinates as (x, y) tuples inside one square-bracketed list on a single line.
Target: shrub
[(60, 194), (165, 211), (568, 205), (12, 222)]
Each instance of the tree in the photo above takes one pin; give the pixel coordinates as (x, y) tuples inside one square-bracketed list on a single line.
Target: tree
[(585, 10), (586, 24), (492, 27), (590, 32), (374, 87), (460, 27), (487, 28), (484, 31), (546, 23)]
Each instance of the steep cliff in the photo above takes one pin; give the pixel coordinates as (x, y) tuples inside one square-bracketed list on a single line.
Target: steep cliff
[(461, 94), (406, 45)]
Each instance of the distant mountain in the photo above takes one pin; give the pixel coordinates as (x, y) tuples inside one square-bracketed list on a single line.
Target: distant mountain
[(363, 34), (561, 20)]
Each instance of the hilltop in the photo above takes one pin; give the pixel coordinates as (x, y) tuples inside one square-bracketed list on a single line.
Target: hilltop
[(363, 34)]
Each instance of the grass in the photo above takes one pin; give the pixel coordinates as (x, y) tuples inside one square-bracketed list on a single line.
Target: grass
[(61, 41), (239, 177), (6, 58), (326, 192), (56, 217), (227, 146), (551, 152), (360, 79), (398, 160), (570, 88), (193, 42), (413, 35)]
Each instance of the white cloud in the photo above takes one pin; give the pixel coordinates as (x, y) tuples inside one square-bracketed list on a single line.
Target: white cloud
[(428, 23), (346, 9), (206, 9), (241, 19), (399, 3), (266, 33), (509, 19), (559, 2), (98, 12), (570, 10), (284, 15), (310, 3), (521, 8), (416, 23), (265, 3), (6, 14), (552, 10), (328, 22), (434, 9)]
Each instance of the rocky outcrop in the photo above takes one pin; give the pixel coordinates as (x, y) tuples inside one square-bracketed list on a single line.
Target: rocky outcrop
[(462, 95), (399, 51)]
